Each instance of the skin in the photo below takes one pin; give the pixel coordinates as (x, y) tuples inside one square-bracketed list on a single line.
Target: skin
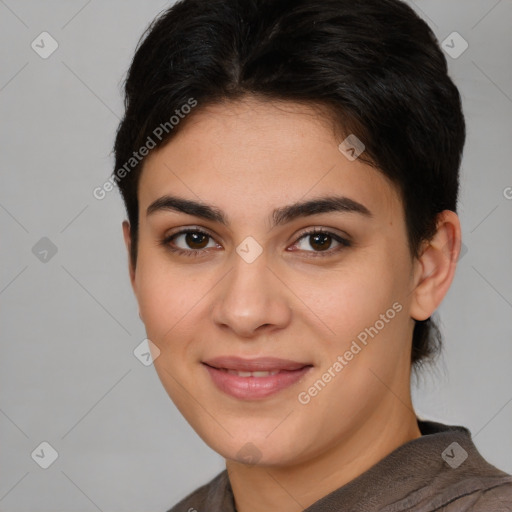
[(247, 158)]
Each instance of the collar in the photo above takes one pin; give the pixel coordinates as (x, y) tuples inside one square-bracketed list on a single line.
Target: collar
[(425, 472)]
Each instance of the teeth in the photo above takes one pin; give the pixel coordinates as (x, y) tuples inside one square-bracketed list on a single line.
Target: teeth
[(252, 374)]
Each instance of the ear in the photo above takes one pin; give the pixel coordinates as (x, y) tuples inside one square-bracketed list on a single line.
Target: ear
[(128, 242), (434, 270)]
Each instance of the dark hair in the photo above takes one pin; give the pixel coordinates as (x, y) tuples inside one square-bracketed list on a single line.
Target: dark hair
[(374, 65)]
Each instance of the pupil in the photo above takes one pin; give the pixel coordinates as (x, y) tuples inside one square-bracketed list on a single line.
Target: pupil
[(321, 241), (195, 239)]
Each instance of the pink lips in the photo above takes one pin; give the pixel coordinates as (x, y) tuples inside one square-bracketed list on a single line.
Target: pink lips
[(283, 373)]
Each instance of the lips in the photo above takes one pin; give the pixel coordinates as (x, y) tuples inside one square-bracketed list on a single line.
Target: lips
[(254, 378)]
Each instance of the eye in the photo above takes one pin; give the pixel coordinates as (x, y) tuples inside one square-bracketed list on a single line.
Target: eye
[(321, 241), (189, 242), (193, 242)]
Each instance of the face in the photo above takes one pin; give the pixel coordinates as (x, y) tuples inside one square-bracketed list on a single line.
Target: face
[(280, 305)]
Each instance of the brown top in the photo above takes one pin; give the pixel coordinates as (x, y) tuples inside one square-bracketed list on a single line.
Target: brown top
[(440, 471)]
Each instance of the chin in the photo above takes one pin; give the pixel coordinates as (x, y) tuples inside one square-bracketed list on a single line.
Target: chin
[(254, 449)]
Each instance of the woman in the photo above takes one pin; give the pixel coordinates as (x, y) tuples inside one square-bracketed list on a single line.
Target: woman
[(290, 173)]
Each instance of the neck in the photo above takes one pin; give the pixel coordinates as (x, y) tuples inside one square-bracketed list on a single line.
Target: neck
[(296, 487)]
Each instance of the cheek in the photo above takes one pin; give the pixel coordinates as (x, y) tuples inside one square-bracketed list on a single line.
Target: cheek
[(165, 297), (167, 302), (344, 302)]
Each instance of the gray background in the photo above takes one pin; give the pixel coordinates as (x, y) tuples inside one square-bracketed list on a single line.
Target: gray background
[(69, 325)]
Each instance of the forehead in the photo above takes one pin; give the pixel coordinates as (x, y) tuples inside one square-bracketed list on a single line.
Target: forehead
[(252, 155)]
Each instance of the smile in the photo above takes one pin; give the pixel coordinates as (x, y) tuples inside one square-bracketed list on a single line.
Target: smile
[(251, 379)]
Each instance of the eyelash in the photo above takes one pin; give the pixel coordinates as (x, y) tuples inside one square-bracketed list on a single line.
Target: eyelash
[(166, 242)]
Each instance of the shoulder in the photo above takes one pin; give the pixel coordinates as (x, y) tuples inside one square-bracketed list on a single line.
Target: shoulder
[(497, 498), (464, 481), (213, 496), (472, 496)]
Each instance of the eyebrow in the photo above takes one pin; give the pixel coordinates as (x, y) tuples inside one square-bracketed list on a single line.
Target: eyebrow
[(281, 215)]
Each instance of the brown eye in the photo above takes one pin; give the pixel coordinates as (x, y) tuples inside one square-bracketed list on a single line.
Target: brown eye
[(321, 241), (190, 242), (196, 240)]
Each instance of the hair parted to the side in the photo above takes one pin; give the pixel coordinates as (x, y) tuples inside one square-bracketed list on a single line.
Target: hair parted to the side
[(373, 66)]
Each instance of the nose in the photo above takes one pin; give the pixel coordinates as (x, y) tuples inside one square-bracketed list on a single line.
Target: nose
[(251, 299)]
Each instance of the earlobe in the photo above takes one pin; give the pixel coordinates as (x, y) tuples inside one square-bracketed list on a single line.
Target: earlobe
[(435, 268), (128, 244)]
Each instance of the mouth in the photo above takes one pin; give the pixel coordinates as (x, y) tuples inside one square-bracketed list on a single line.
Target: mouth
[(257, 378)]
